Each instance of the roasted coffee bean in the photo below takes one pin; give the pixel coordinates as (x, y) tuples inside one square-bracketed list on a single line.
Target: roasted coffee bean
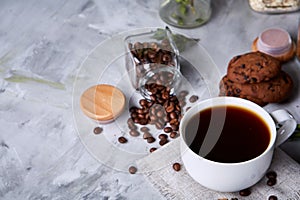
[(150, 139), (152, 149), (168, 130), (143, 122), (165, 95), (176, 167), (174, 121), (122, 139), (133, 109), (130, 121), (159, 125), (272, 197), (173, 115), (170, 108), (132, 126), (98, 130), (147, 135), (134, 133), (182, 104), (160, 114), (136, 120), (132, 170), (193, 98), (143, 103), (234, 198), (175, 127), (153, 118), (144, 129), (134, 115), (183, 93), (173, 134), (271, 174), (163, 142), (271, 181), (245, 192), (140, 111), (163, 136)]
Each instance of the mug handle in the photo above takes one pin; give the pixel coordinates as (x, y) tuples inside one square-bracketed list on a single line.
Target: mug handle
[(287, 125)]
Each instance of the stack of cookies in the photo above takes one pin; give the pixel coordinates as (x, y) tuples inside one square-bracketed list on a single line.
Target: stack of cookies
[(257, 77)]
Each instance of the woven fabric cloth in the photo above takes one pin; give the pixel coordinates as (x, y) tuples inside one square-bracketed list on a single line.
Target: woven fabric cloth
[(157, 168)]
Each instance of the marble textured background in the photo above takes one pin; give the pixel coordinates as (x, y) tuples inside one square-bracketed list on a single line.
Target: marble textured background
[(42, 45)]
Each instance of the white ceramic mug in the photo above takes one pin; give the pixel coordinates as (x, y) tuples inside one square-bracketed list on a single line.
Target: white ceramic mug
[(231, 177)]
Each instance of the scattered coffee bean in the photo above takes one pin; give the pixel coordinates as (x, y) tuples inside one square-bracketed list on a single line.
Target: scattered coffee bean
[(271, 181), (122, 139), (168, 130), (98, 130), (175, 127), (150, 139), (134, 133), (272, 197), (163, 136), (193, 98), (176, 167), (152, 149), (173, 134), (245, 192), (183, 93), (132, 170), (271, 174), (147, 135), (163, 142), (144, 129)]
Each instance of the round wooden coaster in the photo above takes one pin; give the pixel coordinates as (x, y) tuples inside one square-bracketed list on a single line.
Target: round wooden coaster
[(102, 103), (282, 57)]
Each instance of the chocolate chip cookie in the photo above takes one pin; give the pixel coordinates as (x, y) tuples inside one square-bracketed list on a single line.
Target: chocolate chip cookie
[(253, 67), (273, 91)]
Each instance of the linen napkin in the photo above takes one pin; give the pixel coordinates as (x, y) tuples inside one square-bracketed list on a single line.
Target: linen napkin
[(158, 170)]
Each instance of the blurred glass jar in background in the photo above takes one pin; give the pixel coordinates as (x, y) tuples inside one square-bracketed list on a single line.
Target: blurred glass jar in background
[(185, 13)]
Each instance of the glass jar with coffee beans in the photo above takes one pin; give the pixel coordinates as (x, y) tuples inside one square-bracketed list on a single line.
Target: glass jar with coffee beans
[(152, 60)]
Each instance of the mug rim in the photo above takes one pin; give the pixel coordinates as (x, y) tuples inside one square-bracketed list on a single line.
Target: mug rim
[(231, 101)]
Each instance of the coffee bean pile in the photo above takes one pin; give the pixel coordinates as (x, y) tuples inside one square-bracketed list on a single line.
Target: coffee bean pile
[(162, 108), (150, 56)]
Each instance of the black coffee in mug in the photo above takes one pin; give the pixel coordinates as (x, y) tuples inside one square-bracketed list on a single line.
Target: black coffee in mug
[(243, 136)]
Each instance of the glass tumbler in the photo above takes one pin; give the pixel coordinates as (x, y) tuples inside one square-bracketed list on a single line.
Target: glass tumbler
[(152, 61), (185, 13)]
